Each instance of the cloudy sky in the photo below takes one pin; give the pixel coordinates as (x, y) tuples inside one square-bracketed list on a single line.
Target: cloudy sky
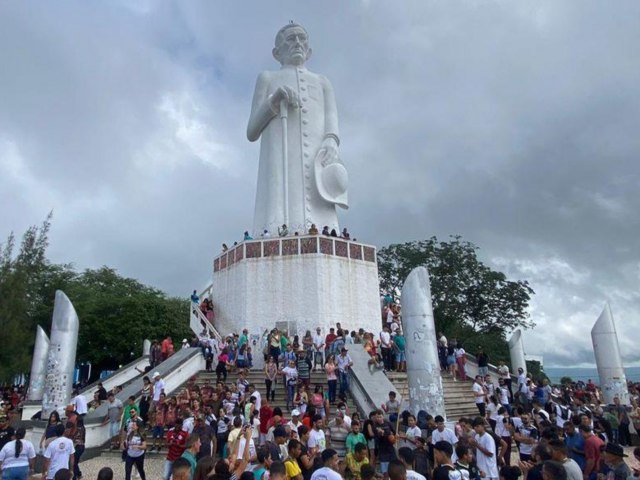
[(513, 124)]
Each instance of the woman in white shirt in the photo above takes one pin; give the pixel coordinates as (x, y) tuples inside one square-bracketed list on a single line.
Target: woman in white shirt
[(17, 457)]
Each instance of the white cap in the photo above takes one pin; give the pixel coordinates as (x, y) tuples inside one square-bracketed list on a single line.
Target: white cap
[(295, 412), (156, 374)]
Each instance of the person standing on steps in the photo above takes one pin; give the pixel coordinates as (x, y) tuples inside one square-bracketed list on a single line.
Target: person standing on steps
[(271, 375)]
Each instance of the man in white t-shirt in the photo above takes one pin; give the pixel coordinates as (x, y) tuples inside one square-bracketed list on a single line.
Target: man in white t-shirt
[(317, 441), (79, 403), (479, 393), (442, 433), (255, 394), (158, 387), (330, 469), (318, 349), (385, 347), (58, 455), (485, 451)]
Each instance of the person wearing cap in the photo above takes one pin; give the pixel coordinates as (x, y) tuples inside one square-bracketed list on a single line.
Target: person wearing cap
[(338, 431), (442, 452), (345, 363), (58, 454), (158, 387), (318, 349), (329, 470), (295, 422), (614, 459)]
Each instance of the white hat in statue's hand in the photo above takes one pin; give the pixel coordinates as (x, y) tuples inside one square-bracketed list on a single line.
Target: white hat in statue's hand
[(332, 182)]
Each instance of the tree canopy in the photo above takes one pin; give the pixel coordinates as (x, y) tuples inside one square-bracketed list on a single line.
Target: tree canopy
[(471, 301), (116, 313)]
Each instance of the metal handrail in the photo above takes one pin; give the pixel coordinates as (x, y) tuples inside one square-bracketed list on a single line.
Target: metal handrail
[(197, 319)]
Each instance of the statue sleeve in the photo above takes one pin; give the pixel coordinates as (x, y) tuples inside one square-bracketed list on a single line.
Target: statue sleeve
[(261, 111), (330, 111)]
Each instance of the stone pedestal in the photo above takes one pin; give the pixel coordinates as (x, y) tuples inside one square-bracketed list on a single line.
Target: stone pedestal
[(295, 284)]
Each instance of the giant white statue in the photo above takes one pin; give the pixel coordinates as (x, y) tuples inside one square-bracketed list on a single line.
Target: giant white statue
[(301, 178)]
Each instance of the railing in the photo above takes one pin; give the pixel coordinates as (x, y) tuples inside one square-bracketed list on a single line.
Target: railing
[(297, 245), (198, 322)]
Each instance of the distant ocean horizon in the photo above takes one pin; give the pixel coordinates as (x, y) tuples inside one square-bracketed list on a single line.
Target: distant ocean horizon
[(584, 374)]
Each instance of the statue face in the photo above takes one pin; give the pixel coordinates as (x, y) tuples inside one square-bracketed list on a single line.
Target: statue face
[(294, 47)]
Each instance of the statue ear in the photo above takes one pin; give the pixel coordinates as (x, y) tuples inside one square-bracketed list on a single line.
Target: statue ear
[(309, 51), (276, 54)]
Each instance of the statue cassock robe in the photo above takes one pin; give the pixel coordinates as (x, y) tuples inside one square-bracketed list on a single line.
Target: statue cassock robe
[(307, 127)]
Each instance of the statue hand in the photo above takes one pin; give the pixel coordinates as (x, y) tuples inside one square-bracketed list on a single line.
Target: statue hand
[(285, 93), (328, 152)]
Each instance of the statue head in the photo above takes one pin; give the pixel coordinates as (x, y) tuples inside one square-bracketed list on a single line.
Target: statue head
[(292, 45)]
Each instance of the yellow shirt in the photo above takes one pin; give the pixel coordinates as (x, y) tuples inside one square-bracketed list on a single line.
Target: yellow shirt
[(292, 467), (354, 466)]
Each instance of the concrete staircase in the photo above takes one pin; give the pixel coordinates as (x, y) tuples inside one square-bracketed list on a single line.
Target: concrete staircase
[(257, 378), (458, 399)]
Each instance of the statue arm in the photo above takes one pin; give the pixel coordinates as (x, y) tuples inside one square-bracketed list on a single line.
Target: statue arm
[(330, 111), (261, 109), (328, 151)]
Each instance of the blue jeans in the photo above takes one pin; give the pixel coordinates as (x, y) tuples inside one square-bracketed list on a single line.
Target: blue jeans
[(332, 390), (344, 382), (168, 466), (291, 391), (15, 473)]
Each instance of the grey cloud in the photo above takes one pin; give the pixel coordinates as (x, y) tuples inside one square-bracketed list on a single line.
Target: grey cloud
[(512, 124)]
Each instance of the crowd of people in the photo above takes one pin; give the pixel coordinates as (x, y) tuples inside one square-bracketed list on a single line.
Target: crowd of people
[(226, 429), (285, 231)]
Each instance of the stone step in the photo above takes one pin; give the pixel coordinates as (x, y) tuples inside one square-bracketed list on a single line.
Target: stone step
[(457, 394)]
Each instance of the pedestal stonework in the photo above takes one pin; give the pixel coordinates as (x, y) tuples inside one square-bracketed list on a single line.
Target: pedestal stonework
[(296, 284)]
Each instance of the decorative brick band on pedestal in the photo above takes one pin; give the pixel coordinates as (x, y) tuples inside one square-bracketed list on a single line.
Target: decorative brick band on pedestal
[(290, 246)]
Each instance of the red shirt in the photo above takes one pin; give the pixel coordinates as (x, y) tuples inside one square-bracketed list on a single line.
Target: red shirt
[(329, 339), (176, 441), (265, 415), (592, 450)]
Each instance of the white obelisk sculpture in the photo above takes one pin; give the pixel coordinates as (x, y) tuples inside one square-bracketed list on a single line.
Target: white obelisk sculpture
[(62, 355), (516, 350), (146, 347), (38, 365), (423, 366), (613, 381)]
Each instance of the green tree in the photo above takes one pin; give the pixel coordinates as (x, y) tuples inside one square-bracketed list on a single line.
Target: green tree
[(471, 301), (19, 276), (116, 313), (566, 381)]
